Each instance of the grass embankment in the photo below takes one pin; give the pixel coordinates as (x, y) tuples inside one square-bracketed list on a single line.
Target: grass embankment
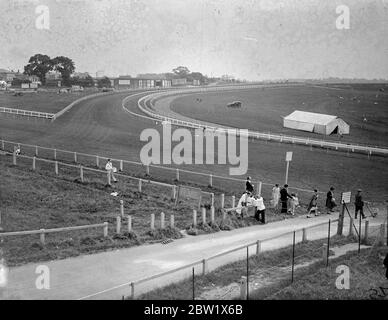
[(42, 101), (268, 269), (39, 199), (367, 280)]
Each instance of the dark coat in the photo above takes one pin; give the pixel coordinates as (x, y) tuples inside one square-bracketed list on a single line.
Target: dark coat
[(249, 186), (330, 204), (284, 195)]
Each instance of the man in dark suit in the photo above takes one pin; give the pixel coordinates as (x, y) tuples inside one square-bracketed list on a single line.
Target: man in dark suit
[(359, 204), (284, 198), (249, 186)]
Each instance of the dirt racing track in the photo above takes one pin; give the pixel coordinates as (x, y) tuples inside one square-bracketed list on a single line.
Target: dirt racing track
[(102, 126)]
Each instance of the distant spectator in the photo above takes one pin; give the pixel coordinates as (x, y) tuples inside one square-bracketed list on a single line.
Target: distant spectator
[(294, 203), (249, 186), (284, 196), (313, 205), (275, 197), (330, 201), (359, 204), (258, 202), (16, 150), (111, 169)]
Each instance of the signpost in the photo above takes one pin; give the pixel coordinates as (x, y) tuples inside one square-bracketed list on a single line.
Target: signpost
[(288, 160)]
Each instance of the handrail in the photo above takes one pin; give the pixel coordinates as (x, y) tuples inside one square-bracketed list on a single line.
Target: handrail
[(30, 113)]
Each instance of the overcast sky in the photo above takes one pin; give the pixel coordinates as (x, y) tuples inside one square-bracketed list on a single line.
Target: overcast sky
[(250, 39)]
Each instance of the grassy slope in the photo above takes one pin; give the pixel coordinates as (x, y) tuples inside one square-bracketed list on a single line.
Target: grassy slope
[(270, 265), (99, 126), (50, 102), (34, 200), (367, 274), (263, 110)]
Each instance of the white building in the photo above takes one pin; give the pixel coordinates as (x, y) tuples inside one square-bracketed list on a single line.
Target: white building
[(315, 122)]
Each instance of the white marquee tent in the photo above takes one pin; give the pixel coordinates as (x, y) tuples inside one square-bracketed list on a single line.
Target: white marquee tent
[(315, 122)]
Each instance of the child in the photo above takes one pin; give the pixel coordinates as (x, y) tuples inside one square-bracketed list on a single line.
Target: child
[(313, 205), (294, 203)]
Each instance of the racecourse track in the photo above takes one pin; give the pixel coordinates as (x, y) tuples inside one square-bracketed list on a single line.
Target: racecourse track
[(101, 126)]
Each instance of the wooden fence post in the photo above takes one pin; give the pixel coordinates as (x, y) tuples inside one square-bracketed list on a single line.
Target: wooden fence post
[(260, 186), (2, 144), (55, 154), (366, 233), (122, 208), (203, 215), (14, 159), (324, 254), (243, 288), (304, 235), (212, 199), (140, 185), (233, 201), (177, 175), (36, 151), (351, 227), (56, 167), (118, 224), (222, 200), (97, 161), (194, 218), (34, 163), (129, 223), (152, 221), (147, 170), (212, 218), (258, 247), (162, 220), (172, 221), (105, 229), (204, 266), (132, 290), (210, 180), (121, 165), (173, 192), (224, 213), (75, 157), (81, 172), (42, 236)]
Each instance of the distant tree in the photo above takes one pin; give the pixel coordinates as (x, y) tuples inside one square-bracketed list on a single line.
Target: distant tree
[(65, 66), (38, 65), (181, 71), (104, 82)]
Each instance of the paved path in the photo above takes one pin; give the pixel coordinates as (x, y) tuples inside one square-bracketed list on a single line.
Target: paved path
[(85, 276)]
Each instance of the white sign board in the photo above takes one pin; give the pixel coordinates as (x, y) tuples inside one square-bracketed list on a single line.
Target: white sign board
[(345, 197), (289, 156)]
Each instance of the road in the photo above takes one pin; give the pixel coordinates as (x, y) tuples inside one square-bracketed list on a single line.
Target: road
[(92, 276)]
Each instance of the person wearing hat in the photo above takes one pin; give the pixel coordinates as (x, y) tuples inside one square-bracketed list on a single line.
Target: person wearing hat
[(249, 186), (313, 204), (109, 167), (359, 204), (330, 201), (284, 196)]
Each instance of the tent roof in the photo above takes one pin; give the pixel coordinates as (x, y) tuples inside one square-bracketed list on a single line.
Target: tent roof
[(311, 117)]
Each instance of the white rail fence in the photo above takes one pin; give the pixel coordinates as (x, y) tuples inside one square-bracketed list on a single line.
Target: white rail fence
[(43, 232), (21, 112), (142, 104), (179, 175)]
